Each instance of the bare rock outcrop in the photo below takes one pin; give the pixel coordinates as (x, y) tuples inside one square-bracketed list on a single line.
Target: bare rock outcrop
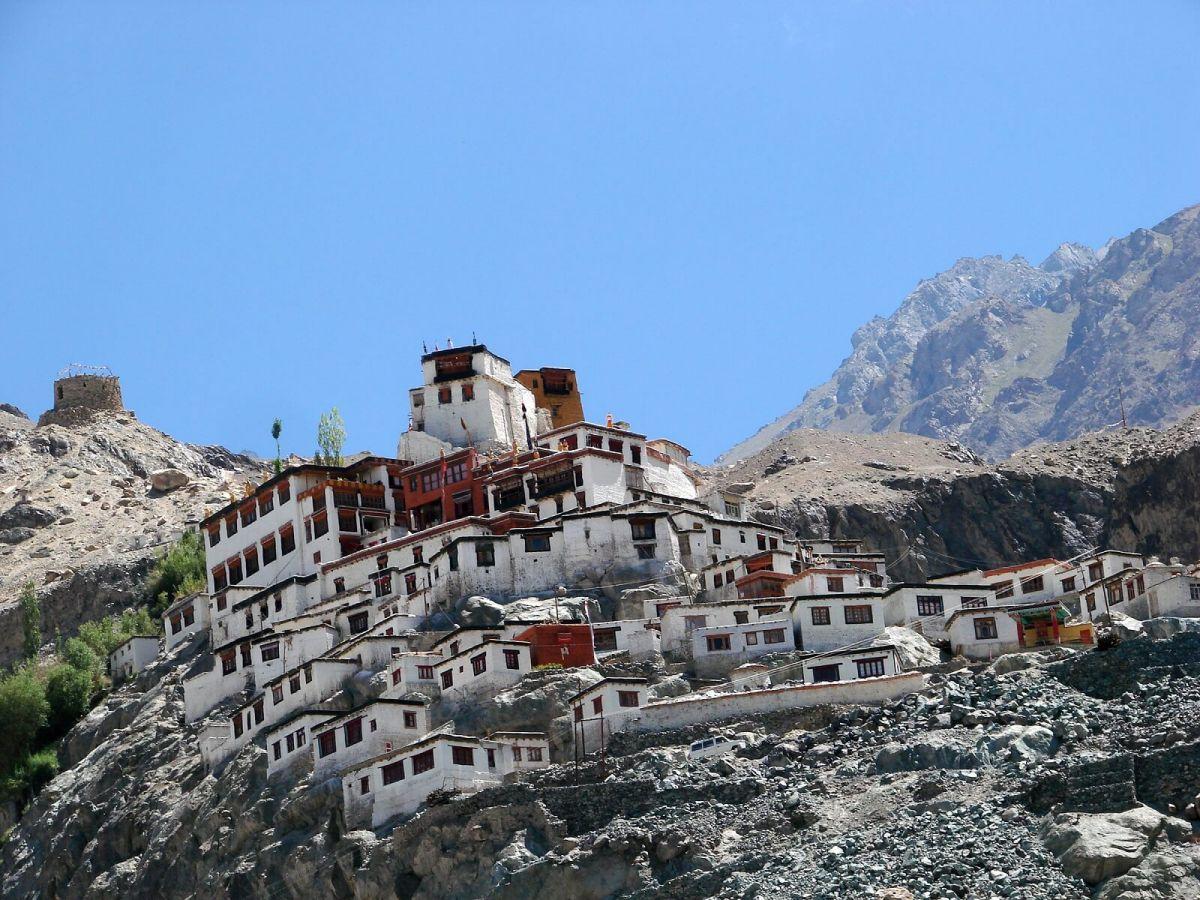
[(81, 517), (934, 507)]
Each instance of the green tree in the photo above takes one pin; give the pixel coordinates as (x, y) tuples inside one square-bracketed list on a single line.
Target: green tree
[(106, 635), (331, 437), (78, 655), (24, 712), (31, 620), (276, 431), (179, 572), (69, 695)]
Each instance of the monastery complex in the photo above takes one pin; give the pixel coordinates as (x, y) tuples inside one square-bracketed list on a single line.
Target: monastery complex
[(510, 536)]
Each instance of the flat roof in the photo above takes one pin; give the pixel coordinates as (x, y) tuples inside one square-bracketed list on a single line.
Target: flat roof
[(385, 701), (1007, 608), (466, 348), (478, 648), (1034, 564), (617, 679)]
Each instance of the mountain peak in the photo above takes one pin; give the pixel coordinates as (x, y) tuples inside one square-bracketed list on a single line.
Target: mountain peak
[(999, 354), (1069, 258)]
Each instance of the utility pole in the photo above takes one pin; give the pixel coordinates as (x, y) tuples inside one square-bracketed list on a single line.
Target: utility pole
[(1121, 394)]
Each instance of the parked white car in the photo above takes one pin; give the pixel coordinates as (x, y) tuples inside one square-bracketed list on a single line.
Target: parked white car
[(714, 746)]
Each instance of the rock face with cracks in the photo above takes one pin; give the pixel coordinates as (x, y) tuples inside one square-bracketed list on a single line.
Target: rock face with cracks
[(1066, 778)]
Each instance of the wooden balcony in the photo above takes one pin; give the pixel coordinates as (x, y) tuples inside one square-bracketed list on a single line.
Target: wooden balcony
[(509, 498), (556, 483)]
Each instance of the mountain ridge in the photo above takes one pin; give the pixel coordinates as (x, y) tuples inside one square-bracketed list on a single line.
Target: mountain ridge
[(999, 354)]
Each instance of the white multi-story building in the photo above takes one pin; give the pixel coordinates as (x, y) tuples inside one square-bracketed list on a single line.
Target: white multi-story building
[(397, 783), (469, 398)]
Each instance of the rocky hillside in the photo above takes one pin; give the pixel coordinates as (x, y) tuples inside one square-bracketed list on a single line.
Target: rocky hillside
[(935, 506), (999, 354), (81, 515), (1067, 779)]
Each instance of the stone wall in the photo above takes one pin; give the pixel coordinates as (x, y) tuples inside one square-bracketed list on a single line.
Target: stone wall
[(691, 710)]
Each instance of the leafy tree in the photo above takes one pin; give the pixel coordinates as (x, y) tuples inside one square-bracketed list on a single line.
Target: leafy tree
[(331, 437), (24, 712), (69, 694), (78, 655), (276, 430), (179, 572), (31, 620)]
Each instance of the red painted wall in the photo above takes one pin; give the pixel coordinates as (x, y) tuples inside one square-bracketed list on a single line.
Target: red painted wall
[(568, 645)]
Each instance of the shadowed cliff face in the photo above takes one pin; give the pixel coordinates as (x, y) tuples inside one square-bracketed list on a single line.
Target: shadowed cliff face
[(1156, 505), (934, 507), (999, 354)]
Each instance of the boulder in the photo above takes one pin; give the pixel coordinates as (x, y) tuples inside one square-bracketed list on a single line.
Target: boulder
[(674, 686), (1096, 847), (26, 515), (13, 411), (1125, 627), (164, 480), (1017, 743), (479, 611), (912, 648), (1015, 662), (1169, 874), (1166, 627), (948, 750), (15, 535), (542, 609)]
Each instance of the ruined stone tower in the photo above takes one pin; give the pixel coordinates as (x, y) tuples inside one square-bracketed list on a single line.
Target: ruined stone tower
[(83, 392)]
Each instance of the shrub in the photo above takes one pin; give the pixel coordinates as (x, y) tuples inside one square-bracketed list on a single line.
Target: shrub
[(39, 769), (29, 775), (105, 635), (69, 694), (24, 712), (179, 572)]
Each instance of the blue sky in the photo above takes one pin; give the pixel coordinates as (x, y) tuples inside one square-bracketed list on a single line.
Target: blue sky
[(260, 210)]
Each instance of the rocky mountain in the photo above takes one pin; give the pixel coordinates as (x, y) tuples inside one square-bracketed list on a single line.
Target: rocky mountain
[(1039, 776), (83, 517), (936, 506), (999, 354)]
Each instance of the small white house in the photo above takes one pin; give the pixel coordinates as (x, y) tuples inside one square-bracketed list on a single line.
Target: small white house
[(982, 633), (718, 649), (287, 742), (605, 708), (185, 617), (414, 671), (1168, 591), (638, 637), (132, 657), (486, 668), (397, 783), (380, 726), (849, 665), (833, 621)]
